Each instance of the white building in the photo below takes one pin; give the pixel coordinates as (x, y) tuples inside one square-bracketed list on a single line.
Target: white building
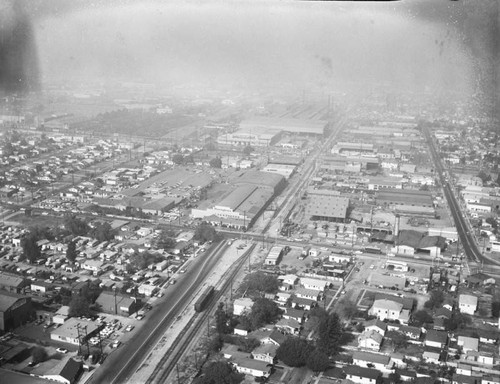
[(467, 304)]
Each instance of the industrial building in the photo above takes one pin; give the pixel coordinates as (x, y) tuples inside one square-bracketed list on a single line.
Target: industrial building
[(15, 310), (73, 331), (290, 125), (327, 207)]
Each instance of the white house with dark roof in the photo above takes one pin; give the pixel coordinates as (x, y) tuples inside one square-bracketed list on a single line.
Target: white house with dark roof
[(376, 325), (371, 360), (361, 375), (305, 293), (467, 304), (265, 352), (254, 367), (437, 339)]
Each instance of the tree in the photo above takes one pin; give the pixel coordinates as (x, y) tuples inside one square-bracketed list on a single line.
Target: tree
[(205, 232), (39, 355), (178, 159), (495, 309), (216, 162), (349, 307), (264, 311), (395, 378), (165, 240), (31, 250), (71, 252), (261, 282), (220, 372), (330, 334), (398, 339), (294, 352), (221, 320), (317, 361), (76, 226), (457, 321), (102, 232), (421, 317), (435, 300), (79, 306)]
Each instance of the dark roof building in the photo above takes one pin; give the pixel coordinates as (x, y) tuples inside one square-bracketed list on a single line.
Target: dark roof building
[(15, 310)]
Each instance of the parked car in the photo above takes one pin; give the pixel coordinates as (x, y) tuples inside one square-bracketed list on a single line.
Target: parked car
[(62, 350)]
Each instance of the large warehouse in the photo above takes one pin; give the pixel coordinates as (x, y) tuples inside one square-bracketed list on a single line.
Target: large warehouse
[(15, 310), (299, 126), (327, 207), (241, 206)]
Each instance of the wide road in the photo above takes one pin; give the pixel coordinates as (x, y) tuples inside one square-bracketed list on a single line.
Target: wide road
[(125, 360), (468, 242)]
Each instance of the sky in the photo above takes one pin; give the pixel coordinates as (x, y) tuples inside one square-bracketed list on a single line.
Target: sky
[(410, 45)]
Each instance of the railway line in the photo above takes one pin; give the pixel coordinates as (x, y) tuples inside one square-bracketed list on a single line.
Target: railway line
[(169, 361)]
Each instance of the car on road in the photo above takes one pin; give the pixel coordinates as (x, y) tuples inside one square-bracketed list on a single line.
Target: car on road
[(62, 350), (139, 317), (116, 344), (129, 328), (372, 266), (173, 281)]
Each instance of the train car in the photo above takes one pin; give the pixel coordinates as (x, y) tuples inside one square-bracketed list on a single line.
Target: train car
[(204, 299), (374, 250)]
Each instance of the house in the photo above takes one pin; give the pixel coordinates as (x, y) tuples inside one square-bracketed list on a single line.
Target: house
[(488, 335), (288, 326), (41, 287), (305, 304), (464, 369), (276, 338), (240, 330), (256, 368), (479, 280), (468, 343), (231, 351), (377, 326), (463, 379), (409, 331), (370, 360), (406, 375), (467, 304), (316, 284), (386, 309), (61, 315), (397, 361), (370, 339), (361, 375), (265, 352), (437, 339), (442, 313), (242, 305), (282, 297), (310, 294), (69, 374), (432, 355), (295, 314), (482, 357), (490, 379), (288, 279)]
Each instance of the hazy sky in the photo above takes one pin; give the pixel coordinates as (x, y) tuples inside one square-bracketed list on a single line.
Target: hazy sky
[(407, 43)]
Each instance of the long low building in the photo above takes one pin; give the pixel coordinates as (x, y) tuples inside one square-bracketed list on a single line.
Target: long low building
[(299, 126)]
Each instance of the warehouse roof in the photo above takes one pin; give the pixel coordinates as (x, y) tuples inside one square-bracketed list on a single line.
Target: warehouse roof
[(328, 206), (316, 127)]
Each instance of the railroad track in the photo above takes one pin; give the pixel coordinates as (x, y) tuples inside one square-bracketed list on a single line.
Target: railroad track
[(179, 347)]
